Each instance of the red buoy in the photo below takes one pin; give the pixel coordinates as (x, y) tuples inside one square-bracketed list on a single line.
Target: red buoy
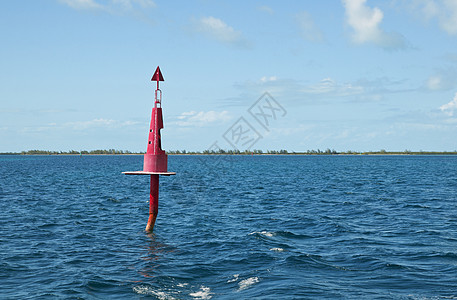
[(155, 160)]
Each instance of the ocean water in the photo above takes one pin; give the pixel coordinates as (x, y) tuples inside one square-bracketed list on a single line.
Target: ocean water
[(264, 227)]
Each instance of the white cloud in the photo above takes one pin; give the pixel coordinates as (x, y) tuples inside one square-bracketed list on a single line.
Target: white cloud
[(97, 123), (186, 115), (330, 86), (266, 9), (92, 123), (144, 3), (325, 91), (266, 79), (434, 83), (137, 9), (442, 79), (308, 29), (193, 118), (366, 21), (110, 6), (217, 29), (82, 4), (429, 8), (129, 4), (79, 125), (450, 107), (449, 21), (445, 11)]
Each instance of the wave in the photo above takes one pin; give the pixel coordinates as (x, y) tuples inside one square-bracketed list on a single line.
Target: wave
[(264, 233), (203, 293), (246, 283), (234, 279), (149, 291), (277, 249), (280, 233)]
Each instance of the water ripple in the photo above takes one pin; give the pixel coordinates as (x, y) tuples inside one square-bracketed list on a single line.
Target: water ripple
[(230, 227)]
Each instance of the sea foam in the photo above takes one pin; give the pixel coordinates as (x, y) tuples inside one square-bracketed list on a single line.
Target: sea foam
[(147, 290), (246, 283), (264, 233), (277, 249), (203, 293)]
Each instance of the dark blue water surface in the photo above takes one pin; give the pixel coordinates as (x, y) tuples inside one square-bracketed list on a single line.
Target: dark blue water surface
[(266, 227)]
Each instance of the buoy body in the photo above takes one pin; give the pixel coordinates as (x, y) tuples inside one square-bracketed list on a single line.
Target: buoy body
[(155, 161)]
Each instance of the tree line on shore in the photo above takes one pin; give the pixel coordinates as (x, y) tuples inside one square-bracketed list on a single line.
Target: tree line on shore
[(71, 152), (233, 152)]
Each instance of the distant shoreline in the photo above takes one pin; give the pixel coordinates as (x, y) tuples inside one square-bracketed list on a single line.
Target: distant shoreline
[(222, 152)]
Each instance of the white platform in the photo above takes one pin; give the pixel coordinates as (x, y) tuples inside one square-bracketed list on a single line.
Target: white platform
[(149, 173)]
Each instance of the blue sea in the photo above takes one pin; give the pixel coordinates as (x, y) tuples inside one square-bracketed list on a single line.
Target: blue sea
[(229, 227)]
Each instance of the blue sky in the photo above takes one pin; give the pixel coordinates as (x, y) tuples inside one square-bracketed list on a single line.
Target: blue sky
[(346, 75)]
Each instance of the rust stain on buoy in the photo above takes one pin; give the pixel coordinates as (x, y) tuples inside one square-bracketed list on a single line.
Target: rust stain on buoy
[(155, 160)]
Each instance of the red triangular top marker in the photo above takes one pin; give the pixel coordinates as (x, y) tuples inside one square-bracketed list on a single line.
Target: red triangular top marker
[(157, 75)]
